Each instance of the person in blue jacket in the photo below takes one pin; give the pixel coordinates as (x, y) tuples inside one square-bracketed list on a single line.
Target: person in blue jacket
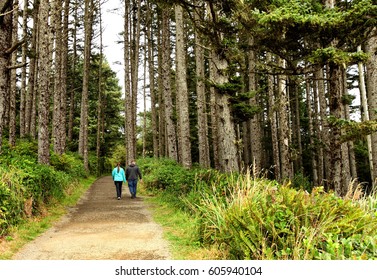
[(119, 177)]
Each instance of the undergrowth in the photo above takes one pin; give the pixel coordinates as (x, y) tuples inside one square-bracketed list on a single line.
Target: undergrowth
[(26, 187), (254, 218)]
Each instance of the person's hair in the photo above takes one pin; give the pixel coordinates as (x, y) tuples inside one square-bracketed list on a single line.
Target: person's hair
[(118, 166)]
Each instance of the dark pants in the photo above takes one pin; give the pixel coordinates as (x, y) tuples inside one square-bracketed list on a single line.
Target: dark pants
[(132, 184), (118, 186)]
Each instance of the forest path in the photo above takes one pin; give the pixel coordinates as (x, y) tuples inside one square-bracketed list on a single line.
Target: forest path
[(101, 227)]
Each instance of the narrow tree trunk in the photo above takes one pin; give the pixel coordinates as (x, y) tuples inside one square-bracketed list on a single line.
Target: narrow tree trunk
[(204, 159), (312, 146), (273, 123), (99, 102), (182, 91), (135, 50), (23, 91), (335, 104), (365, 114), (145, 98), (13, 79), (152, 82), (371, 85), (323, 124), (74, 63), (5, 43), (286, 169), (83, 143), (214, 115), (127, 83), (255, 122), (44, 77), (168, 103), (160, 96), (64, 71), (57, 77)]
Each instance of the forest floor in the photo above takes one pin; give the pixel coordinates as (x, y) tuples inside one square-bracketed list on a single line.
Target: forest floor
[(100, 227)]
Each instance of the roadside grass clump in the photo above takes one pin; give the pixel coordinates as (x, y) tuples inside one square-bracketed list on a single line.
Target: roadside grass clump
[(263, 220)]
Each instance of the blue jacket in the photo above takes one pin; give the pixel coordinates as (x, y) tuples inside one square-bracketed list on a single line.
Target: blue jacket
[(118, 176)]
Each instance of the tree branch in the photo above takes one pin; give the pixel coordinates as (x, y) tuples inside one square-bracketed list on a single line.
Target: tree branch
[(4, 7), (16, 66), (15, 46)]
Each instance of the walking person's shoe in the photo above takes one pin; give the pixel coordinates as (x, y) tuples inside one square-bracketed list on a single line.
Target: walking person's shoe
[(118, 198)]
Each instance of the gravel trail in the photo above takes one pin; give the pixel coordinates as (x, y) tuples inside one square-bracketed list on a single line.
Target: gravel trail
[(101, 227)]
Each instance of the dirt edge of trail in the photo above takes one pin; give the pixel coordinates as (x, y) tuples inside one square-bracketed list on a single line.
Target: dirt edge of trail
[(101, 227)]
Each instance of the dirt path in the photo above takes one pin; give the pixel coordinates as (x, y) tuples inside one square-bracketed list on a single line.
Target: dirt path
[(101, 227)]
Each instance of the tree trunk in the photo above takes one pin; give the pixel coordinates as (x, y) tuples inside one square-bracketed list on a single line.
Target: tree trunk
[(324, 126), (312, 135), (23, 92), (57, 22), (182, 91), (255, 122), (152, 82), (284, 132), (273, 123), (13, 79), (135, 50), (228, 154), (44, 77), (127, 83), (214, 115), (64, 71), (99, 141), (168, 102), (5, 44), (74, 63), (371, 85), (365, 114), (83, 143), (204, 159), (335, 104)]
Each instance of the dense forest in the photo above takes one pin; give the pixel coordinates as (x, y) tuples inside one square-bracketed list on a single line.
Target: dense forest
[(285, 88)]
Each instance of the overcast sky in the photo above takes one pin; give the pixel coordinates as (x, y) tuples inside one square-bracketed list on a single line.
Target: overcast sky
[(113, 25)]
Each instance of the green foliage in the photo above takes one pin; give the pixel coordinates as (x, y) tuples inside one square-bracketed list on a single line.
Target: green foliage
[(168, 176), (352, 130), (27, 187), (248, 218), (68, 163)]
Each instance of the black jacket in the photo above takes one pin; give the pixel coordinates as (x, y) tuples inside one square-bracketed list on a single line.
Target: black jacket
[(133, 172)]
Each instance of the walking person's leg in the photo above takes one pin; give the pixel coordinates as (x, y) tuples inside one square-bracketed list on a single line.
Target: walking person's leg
[(118, 187), (135, 188), (131, 184)]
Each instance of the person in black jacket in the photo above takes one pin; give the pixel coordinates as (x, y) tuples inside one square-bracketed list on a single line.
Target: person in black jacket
[(132, 175)]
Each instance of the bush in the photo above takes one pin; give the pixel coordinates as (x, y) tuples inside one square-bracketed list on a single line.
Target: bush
[(262, 221), (248, 218), (27, 187)]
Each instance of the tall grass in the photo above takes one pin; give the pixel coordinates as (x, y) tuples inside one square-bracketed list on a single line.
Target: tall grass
[(251, 218)]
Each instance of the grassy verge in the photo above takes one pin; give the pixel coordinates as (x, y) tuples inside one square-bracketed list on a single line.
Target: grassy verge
[(179, 229), (209, 215), (29, 229)]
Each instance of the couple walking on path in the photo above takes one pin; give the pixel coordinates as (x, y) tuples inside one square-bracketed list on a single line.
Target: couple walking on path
[(131, 175)]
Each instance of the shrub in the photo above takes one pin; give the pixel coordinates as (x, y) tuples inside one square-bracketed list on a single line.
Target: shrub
[(262, 221)]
